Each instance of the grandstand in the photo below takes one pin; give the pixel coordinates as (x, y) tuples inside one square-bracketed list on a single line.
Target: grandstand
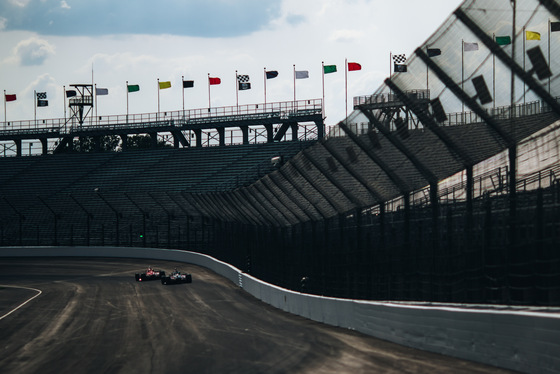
[(426, 192)]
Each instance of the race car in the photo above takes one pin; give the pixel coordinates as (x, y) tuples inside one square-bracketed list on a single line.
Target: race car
[(149, 275), (176, 278)]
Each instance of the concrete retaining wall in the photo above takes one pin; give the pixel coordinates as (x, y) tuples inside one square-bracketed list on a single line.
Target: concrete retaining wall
[(514, 338)]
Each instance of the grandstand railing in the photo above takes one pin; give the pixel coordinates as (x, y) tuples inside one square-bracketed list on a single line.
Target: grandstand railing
[(284, 109), (453, 119)]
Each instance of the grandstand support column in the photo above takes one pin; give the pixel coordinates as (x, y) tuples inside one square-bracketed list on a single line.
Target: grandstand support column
[(18, 147), (21, 218), (169, 216), (198, 135), (245, 132), (55, 220), (144, 217), (320, 128), (89, 216), (435, 238), (45, 145), (124, 142), (295, 127), (117, 214), (221, 136), (153, 139), (269, 133), (512, 153)]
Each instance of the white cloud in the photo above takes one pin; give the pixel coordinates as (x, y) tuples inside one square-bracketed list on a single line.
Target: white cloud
[(20, 3), (64, 5), (3, 23), (346, 36), (33, 51)]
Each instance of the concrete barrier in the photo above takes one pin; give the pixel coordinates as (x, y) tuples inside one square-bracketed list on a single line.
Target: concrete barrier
[(523, 339)]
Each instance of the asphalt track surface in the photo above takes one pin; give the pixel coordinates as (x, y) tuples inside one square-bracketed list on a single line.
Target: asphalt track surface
[(91, 316)]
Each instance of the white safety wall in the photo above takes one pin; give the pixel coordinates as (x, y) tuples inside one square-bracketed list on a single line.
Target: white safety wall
[(519, 339)]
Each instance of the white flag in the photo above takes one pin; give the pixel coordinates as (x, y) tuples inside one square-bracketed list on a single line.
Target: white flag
[(470, 47), (302, 74), (101, 91)]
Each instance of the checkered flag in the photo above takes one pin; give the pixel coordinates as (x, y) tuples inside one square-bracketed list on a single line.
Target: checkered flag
[(399, 59), (41, 95), (243, 78)]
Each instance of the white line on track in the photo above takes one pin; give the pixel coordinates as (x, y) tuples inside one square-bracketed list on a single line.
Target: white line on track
[(22, 304)]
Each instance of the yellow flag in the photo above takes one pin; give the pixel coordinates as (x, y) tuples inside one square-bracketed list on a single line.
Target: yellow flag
[(532, 35), (163, 85)]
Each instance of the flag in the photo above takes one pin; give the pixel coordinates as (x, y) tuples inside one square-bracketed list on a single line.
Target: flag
[(469, 47), (554, 26), (41, 103), (133, 88), (400, 68), (10, 97), (164, 85), (329, 69), (244, 86), (101, 91), (399, 59), (433, 52), (271, 74), (353, 66), (532, 35), (212, 80), (503, 40), (302, 74), (188, 84), (41, 95), (243, 78), (71, 93)]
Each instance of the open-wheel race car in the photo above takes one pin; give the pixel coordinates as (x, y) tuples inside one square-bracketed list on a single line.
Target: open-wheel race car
[(176, 278), (149, 275)]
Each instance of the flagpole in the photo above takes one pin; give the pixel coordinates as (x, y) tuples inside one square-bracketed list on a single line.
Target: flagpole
[(265, 87), (236, 92), (524, 39), (427, 72), (95, 93), (157, 116), (294, 84), (126, 101), (462, 78), (35, 106), (183, 84), (323, 81), (346, 88), (549, 28), (5, 118), (494, 75), (64, 98), (209, 106)]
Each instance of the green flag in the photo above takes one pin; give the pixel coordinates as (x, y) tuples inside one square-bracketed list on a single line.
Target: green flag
[(503, 40), (329, 69), (133, 88)]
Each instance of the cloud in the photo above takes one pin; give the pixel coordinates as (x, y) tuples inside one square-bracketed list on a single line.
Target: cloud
[(346, 36), (3, 23), (217, 18), (33, 51)]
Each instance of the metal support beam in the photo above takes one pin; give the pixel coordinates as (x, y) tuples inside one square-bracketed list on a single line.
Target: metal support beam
[(507, 60), (302, 191), (426, 173), (274, 180), (401, 185), (455, 148)]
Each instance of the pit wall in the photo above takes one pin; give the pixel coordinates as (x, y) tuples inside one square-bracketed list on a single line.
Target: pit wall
[(517, 339)]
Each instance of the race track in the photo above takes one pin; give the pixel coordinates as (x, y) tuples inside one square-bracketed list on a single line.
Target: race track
[(90, 316)]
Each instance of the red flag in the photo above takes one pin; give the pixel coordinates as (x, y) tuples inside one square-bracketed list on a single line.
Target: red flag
[(11, 97), (354, 66), (214, 80)]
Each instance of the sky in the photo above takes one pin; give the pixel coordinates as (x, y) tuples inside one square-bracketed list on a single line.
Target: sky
[(47, 45)]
